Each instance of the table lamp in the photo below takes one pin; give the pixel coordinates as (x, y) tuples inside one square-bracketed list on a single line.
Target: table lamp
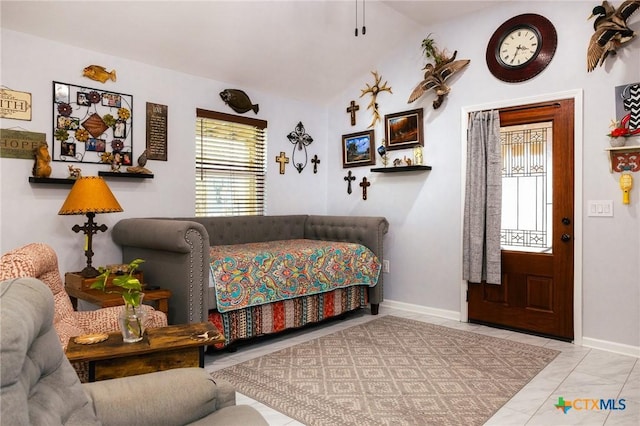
[(90, 195)]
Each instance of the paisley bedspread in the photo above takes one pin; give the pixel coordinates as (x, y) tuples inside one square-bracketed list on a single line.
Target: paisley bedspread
[(257, 273)]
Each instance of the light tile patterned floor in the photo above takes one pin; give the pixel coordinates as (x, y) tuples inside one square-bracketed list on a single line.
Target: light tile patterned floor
[(577, 373)]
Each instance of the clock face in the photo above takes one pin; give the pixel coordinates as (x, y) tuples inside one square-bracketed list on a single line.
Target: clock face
[(519, 47)]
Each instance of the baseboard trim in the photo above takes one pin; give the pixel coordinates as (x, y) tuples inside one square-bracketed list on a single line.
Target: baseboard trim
[(442, 313), (604, 345), (614, 347)]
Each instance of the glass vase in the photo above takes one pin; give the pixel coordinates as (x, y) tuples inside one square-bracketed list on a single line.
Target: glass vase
[(132, 319)]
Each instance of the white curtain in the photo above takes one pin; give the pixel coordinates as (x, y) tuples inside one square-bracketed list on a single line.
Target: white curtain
[(483, 199)]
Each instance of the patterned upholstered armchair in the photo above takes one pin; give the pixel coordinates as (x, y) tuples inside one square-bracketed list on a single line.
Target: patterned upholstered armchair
[(38, 260)]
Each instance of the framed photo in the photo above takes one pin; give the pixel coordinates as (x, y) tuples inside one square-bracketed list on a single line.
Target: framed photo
[(404, 129), (358, 149)]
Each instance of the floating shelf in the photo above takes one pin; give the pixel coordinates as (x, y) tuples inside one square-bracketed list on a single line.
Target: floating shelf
[(623, 158), (56, 181), (126, 175), (401, 169)]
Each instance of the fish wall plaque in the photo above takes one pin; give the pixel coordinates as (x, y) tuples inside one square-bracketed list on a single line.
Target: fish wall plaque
[(99, 73), (238, 101)]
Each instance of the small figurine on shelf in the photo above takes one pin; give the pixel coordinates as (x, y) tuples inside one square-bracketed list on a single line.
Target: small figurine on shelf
[(41, 167), (142, 161), (417, 155), (74, 172), (383, 153)]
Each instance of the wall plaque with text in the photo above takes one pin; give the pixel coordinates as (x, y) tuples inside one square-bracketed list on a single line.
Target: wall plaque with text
[(15, 105), (156, 131), (20, 144)]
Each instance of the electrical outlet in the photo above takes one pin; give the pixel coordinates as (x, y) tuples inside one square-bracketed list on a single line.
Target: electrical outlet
[(385, 265)]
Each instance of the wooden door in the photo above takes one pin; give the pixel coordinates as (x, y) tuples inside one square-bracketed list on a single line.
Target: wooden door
[(536, 294)]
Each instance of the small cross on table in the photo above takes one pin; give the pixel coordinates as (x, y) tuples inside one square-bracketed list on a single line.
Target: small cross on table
[(364, 184), (315, 160), (348, 178), (352, 110), (282, 159)]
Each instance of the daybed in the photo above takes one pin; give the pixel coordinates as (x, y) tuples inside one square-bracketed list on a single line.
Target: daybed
[(181, 253)]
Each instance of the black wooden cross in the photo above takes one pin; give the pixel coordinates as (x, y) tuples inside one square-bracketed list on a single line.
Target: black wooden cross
[(348, 178), (315, 160), (282, 159), (352, 110), (364, 184)]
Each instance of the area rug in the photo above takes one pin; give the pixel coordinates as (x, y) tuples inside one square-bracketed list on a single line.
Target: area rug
[(391, 371)]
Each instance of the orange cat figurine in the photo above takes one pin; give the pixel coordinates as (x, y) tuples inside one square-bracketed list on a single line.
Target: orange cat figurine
[(41, 167)]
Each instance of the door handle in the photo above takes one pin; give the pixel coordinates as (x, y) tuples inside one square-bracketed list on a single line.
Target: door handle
[(566, 221), (565, 237)]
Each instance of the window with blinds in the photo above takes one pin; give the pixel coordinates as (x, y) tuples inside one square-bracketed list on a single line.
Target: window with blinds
[(230, 164)]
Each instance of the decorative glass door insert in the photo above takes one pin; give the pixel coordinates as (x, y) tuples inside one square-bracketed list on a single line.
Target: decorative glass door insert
[(527, 187)]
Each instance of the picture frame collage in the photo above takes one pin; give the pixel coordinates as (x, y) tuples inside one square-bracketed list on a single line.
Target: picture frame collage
[(92, 125)]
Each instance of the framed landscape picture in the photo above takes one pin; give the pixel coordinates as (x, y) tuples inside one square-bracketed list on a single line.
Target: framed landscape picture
[(404, 129), (358, 149)]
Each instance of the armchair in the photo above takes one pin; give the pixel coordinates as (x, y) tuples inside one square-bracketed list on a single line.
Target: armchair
[(39, 386), (38, 260)]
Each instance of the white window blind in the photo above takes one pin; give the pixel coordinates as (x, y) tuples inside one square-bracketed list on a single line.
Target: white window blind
[(230, 164)]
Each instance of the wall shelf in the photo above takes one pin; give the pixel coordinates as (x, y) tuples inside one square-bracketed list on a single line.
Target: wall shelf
[(401, 169), (126, 175), (56, 181), (623, 158)]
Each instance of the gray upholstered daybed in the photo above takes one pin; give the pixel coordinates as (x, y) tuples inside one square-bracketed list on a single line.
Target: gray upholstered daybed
[(177, 254)]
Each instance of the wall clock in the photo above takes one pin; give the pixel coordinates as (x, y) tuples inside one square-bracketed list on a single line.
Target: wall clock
[(521, 47)]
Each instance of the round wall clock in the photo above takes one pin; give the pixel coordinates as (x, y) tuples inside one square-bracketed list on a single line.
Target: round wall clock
[(521, 48)]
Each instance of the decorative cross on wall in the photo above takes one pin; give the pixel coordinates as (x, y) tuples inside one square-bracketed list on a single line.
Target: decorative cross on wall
[(300, 140), (364, 184), (349, 178), (315, 160), (353, 107), (282, 159)]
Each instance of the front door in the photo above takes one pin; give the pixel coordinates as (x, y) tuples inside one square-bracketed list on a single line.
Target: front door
[(536, 294)]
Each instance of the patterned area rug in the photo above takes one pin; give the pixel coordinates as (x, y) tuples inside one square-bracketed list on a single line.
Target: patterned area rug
[(391, 371)]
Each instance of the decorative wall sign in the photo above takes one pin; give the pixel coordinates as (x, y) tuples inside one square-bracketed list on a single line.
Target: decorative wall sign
[(15, 105), (156, 132), (358, 149), (300, 140), (20, 144), (92, 125), (404, 129), (628, 103)]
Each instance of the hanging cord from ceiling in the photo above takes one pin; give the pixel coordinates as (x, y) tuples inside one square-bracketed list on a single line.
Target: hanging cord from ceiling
[(364, 28)]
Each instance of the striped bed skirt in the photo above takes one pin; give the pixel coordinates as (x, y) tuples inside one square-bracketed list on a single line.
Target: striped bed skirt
[(287, 314)]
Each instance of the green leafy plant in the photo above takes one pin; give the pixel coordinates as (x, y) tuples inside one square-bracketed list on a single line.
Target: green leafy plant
[(131, 294), (130, 284)]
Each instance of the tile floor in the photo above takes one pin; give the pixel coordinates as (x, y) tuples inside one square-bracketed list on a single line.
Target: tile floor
[(576, 373)]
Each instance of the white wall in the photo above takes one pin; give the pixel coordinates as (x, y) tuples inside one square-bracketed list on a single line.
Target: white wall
[(29, 211), (423, 209)]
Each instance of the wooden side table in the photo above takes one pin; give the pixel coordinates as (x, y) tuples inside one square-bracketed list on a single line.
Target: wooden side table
[(162, 348), (102, 299)]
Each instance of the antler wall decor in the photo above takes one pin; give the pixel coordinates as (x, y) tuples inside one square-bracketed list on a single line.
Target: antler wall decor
[(375, 90)]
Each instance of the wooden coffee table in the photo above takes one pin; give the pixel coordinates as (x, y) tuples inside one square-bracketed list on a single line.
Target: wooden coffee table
[(162, 348)]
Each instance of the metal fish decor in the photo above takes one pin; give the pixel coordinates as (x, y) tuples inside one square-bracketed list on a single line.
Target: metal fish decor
[(238, 101), (99, 73), (300, 140)]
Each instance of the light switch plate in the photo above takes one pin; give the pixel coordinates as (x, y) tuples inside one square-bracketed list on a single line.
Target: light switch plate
[(600, 208)]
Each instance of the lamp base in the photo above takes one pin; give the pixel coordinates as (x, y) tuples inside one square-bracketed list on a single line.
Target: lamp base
[(89, 272)]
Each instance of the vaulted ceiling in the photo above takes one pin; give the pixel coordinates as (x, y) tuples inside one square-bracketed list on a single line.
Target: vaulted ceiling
[(303, 49)]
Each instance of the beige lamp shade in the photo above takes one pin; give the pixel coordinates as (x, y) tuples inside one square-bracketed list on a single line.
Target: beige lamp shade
[(90, 194)]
